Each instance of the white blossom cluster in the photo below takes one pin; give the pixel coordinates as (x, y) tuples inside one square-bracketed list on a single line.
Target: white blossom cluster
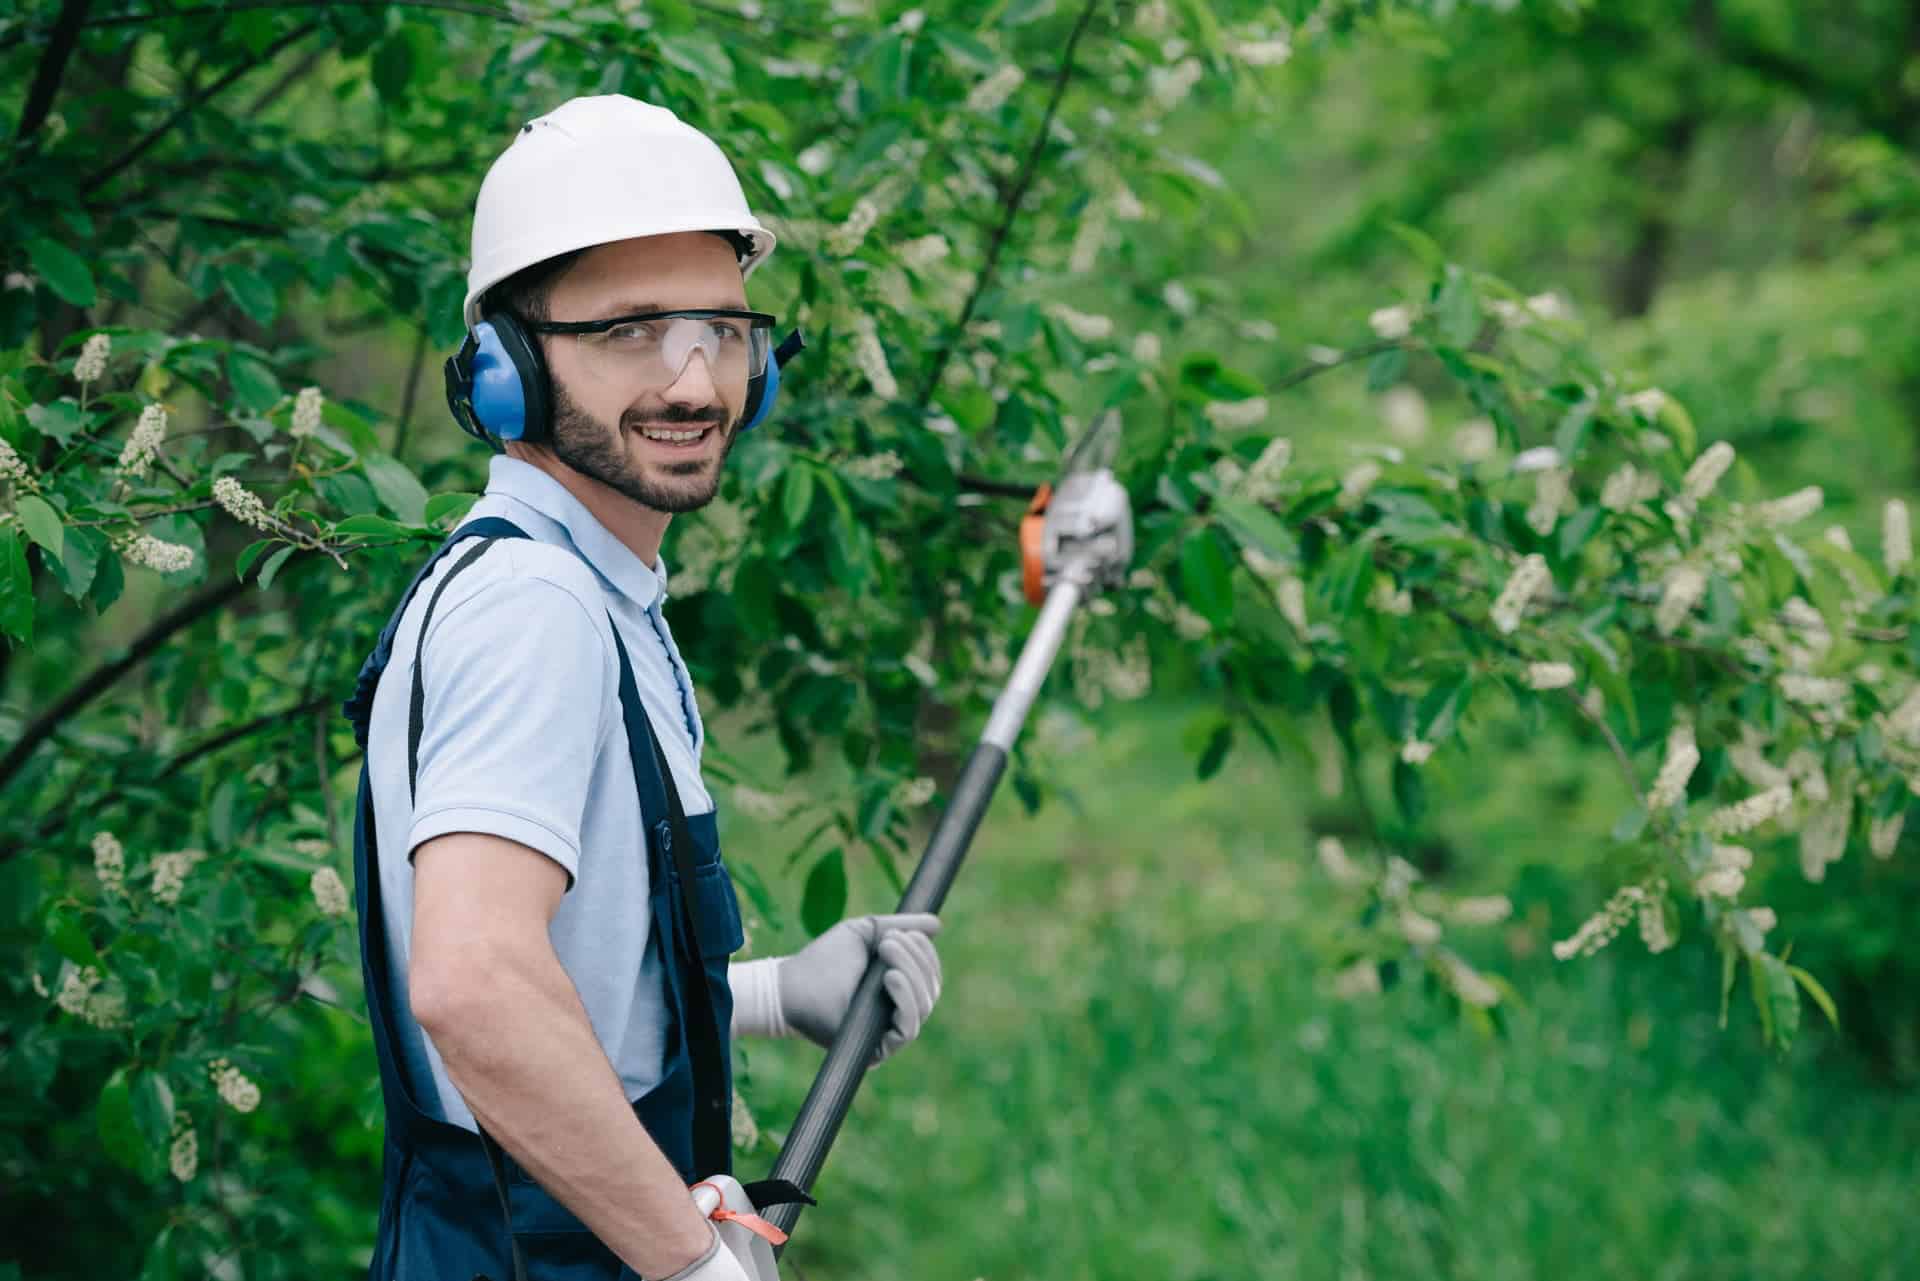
[(1896, 538), (1647, 403), (1336, 864), (1552, 488), (1755, 810), (1169, 86), (1467, 983), (1090, 237), (1416, 751), (170, 874), (1599, 929), (183, 1155), (1484, 909), (871, 357), (1264, 53), (1817, 691), (1680, 591), (1359, 479), (1883, 834), (1544, 676), (329, 892), (746, 1131), (1823, 837), (1418, 928), (306, 411), (241, 503), (1146, 347), (1475, 440), (1518, 315), (77, 984), (867, 211), (992, 93), (159, 555), (765, 806), (235, 1090), (884, 465), (1392, 323), (912, 793), (1188, 625), (1654, 931), (1627, 487), (143, 442), (1683, 757), (1726, 872), (91, 364), (922, 252), (1795, 507), (1529, 578), (1085, 326), (1386, 598), (1236, 413), (12, 466), (109, 862)]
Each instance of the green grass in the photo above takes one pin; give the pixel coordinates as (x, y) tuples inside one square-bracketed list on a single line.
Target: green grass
[(1136, 1071)]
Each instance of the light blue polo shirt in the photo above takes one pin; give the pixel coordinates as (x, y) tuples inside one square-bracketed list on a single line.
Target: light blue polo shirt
[(522, 738)]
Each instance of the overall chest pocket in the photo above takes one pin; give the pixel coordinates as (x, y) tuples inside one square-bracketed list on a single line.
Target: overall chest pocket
[(711, 900)]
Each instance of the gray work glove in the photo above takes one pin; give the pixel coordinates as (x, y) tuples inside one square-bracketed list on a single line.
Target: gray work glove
[(817, 982)]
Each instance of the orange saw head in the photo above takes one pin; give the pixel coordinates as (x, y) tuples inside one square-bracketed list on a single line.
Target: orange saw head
[(1083, 530)]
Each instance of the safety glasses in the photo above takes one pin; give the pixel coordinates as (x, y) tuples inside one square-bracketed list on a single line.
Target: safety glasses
[(651, 349)]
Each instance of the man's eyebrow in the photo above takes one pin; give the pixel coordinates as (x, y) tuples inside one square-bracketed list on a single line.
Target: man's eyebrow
[(632, 307)]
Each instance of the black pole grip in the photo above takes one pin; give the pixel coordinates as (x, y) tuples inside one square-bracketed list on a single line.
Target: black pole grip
[(871, 1013)]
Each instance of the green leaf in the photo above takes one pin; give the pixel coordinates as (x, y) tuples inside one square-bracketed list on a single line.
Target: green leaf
[(1409, 791), (1818, 993), (1206, 576), (1386, 369), (1258, 528), (1457, 309), (254, 384), (400, 491), (42, 523), (251, 554), (1424, 247), (1779, 999), (79, 560), (62, 270), (392, 66), (372, 527), (700, 56), (60, 421), (1021, 12), (824, 901), (16, 587), (452, 507), (796, 494), (1216, 753), (252, 292), (69, 938), (272, 567), (153, 1108), (120, 1129), (748, 877)]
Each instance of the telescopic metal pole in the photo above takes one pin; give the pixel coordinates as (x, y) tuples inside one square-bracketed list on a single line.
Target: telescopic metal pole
[(1088, 541)]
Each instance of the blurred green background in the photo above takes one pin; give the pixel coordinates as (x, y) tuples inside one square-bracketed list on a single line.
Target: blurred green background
[(1140, 1067)]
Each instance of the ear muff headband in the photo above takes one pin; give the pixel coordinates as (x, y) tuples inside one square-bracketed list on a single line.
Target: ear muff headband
[(497, 382)]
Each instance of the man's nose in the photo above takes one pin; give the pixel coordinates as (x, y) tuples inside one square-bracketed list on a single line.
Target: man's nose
[(695, 384)]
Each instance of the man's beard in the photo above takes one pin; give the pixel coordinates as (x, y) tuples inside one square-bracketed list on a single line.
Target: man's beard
[(584, 444)]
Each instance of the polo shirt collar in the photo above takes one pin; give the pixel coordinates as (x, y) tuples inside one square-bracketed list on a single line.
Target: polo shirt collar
[(612, 559)]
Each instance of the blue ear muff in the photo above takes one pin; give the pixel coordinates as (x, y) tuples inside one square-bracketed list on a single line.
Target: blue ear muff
[(509, 380), (764, 390)]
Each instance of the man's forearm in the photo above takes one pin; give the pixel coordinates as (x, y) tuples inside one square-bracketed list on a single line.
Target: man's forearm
[(517, 1043)]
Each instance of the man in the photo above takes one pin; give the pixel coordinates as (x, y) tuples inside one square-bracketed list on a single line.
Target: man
[(545, 917)]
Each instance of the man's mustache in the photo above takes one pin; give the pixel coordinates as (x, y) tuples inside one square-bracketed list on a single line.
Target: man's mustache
[(676, 416)]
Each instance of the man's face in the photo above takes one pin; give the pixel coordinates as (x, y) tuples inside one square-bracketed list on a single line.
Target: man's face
[(601, 424)]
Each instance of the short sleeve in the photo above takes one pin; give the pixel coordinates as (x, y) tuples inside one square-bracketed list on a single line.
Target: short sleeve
[(517, 685)]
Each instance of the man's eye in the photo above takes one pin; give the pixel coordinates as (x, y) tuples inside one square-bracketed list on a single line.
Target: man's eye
[(632, 334), (729, 331)]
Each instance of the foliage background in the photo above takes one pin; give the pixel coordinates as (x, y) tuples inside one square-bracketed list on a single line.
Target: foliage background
[(1166, 989)]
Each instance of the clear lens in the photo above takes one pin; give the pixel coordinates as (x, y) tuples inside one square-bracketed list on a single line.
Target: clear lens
[(654, 353)]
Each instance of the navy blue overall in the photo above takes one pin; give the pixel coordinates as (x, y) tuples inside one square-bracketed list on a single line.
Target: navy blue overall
[(445, 1191)]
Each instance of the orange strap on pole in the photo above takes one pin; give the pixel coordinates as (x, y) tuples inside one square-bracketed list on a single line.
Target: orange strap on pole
[(1033, 527)]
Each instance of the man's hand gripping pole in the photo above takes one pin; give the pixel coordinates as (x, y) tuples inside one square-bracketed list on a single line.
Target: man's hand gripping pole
[(1082, 543)]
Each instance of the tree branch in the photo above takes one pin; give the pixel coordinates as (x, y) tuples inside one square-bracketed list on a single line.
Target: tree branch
[(194, 100), (1010, 211), (53, 66), (103, 677), (246, 729)]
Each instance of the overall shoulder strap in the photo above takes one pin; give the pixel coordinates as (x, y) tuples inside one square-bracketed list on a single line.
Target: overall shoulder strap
[(706, 1048), (358, 708)]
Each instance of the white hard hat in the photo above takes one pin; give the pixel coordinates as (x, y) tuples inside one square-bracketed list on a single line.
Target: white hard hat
[(596, 170)]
